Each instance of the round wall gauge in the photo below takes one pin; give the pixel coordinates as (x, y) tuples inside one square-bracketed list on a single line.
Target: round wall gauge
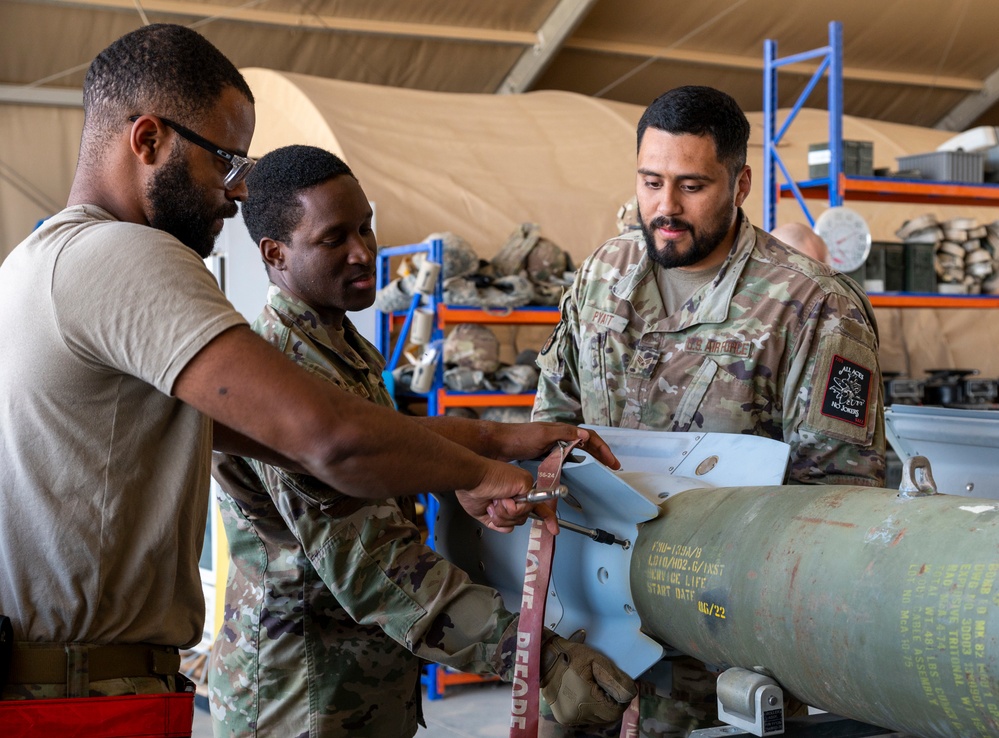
[(847, 235)]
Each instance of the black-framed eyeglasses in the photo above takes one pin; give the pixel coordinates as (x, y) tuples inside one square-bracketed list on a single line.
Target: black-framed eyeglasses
[(240, 166)]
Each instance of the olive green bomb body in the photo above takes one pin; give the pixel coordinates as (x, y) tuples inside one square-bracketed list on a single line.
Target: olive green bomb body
[(859, 601)]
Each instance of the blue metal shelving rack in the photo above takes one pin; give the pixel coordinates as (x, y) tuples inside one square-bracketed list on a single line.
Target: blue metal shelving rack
[(383, 338), (831, 65), (383, 329), (435, 678)]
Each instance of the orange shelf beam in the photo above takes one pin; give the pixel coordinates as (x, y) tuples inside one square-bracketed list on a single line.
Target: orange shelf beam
[(884, 189), (934, 301), (447, 678), (446, 399), (521, 316)]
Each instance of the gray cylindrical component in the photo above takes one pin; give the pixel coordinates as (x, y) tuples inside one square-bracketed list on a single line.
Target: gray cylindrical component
[(737, 690), (855, 600)]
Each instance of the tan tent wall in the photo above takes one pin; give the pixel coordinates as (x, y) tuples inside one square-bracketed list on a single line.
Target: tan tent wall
[(481, 164), (38, 150), (477, 165)]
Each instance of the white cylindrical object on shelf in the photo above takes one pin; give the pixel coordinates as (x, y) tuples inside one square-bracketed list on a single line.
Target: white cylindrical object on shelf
[(422, 326), (426, 278), (423, 373)]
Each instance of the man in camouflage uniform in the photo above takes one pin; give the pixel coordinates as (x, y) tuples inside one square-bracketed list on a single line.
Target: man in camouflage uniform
[(701, 322), (332, 601)]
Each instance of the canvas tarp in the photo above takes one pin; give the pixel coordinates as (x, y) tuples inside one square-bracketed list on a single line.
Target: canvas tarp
[(479, 165), (38, 150)]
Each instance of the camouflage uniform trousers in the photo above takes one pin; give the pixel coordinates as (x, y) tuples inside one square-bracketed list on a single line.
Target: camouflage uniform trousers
[(320, 622), (332, 600)]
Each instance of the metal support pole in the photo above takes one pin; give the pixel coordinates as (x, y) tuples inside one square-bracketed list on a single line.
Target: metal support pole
[(835, 113), (770, 193)]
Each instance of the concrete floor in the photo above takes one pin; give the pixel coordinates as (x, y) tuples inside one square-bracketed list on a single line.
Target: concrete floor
[(466, 711)]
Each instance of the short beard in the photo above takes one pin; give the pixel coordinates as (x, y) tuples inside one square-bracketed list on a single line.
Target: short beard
[(180, 207), (701, 247)]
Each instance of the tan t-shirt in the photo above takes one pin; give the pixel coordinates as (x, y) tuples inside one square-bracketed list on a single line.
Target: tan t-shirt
[(678, 285), (103, 475)]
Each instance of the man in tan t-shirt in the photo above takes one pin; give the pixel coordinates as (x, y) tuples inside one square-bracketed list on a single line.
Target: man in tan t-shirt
[(125, 365)]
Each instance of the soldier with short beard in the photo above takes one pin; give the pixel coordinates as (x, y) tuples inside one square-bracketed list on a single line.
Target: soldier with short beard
[(700, 322)]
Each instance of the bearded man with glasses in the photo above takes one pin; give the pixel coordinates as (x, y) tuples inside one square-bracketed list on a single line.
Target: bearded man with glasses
[(124, 365)]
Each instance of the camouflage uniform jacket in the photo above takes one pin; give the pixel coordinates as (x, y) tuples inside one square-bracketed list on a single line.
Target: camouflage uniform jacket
[(776, 345), (329, 597)]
